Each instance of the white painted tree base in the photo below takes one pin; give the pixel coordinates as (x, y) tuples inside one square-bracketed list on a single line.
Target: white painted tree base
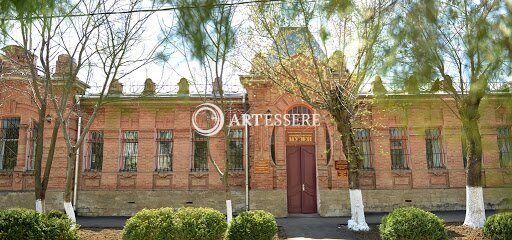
[(357, 221), (475, 208), (229, 210), (39, 206), (68, 207)]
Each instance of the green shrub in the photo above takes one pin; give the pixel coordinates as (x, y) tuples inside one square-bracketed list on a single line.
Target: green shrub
[(499, 226), (200, 224), (59, 229), (412, 224), (19, 223), (253, 225), (56, 214), (151, 224)]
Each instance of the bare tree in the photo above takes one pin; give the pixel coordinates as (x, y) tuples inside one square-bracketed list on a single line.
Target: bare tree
[(98, 46), (297, 63), (31, 28), (106, 41), (206, 28)]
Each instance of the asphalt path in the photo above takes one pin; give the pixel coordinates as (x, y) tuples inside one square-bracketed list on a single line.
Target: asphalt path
[(295, 227)]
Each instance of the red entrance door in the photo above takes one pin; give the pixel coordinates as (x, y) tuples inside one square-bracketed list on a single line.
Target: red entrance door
[(301, 172)]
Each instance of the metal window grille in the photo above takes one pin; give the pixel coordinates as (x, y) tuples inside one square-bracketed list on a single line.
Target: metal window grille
[(505, 146), (164, 151), (363, 140), (9, 137), (235, 150), (130, 151), (398, 148), (95, 151), (296, 115), (435, 158), (200, 158)]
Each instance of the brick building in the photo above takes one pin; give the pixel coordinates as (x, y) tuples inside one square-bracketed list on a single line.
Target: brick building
[(142, 152)]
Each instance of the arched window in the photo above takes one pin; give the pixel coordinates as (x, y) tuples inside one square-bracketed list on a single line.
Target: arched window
[(300, 116)]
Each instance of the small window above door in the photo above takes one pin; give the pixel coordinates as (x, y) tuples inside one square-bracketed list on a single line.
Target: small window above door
[(300, 116)]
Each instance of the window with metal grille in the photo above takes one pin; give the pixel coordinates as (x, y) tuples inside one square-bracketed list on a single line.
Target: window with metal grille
[(130, 151), (200, 158), (300, 116), (362, 140), (235, 150), (505, 146), (398, 148), (94, 160), (9, 136), (435, 158), (32, 146), (164, 151)]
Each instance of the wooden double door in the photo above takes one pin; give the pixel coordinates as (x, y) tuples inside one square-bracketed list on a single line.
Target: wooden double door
[(301, 177)]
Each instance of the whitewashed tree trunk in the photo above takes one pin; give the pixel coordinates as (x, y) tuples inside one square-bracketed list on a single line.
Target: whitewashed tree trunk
[(39, 206), (68, 207), (357, 222), (229, 210), (475, 208)]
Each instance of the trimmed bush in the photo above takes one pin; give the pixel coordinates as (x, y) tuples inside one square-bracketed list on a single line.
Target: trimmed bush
[(253, 225), (151, 224), (56, 214), (20, 223), (200, 224), (412, 224), (499, 226)]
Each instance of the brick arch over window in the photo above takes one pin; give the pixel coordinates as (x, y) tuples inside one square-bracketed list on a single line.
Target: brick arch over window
[(297, 113)]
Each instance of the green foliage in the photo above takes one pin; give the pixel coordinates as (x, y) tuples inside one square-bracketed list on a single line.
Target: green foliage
[(205, 25), (505, 27), (412, 224), (26, 11), (200, 224), (151, 224), (56, 214), (253, 225), (499, 226), (337, 7), (435, 39), (20, 223)]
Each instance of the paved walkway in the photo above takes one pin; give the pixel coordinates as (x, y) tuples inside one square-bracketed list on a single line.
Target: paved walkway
[(294, 227)]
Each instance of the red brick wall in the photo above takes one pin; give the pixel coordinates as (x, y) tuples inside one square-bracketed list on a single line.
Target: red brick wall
[(148, 115)]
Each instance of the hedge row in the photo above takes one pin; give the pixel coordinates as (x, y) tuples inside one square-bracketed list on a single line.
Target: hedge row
[(21, 223), (198, 224)]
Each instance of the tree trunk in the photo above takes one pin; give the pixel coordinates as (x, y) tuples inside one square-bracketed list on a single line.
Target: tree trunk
[(38, 159), (68, 207), (43, 185), (227, 192), (475, 208), (225, 179), (351, 151)]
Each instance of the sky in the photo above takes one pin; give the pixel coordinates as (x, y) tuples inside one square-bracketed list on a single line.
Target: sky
[(167, 74), (179, 65)]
